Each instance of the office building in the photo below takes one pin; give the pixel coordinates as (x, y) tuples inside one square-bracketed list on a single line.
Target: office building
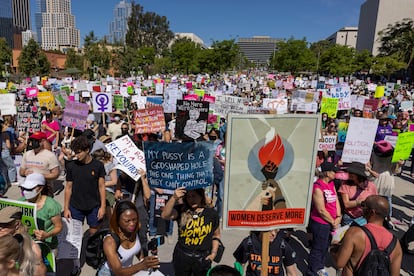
[(375, 16), (14, 19), (58, 30), (258, 49), (119, 26), (347, 36), (26, 36)]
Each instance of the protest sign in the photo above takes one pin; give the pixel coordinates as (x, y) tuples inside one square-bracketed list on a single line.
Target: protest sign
[(359, 140), (102, 102), (171, 95), (213, 121), (46, 99), (8, 104), (60, 97), (342, 130), (328, 143), (191, 97), (149, 120), (191, 121), (379, 92), (119, 102), (407, 105), (28, 212), (199, 92), (329, 106), (391, 139), (257, 146), (343, 94), (174, 165), (159, 88), (27, 122), (70, 239), (230, 104), (31, 92), (280, 105), (403, 146), (129, 157), (75, 114)]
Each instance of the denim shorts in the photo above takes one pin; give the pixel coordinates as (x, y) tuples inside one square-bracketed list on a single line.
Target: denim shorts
[(91, 216)]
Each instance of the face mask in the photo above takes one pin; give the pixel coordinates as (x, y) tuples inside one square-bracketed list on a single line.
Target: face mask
[(212, 138), (124, 132), (30, 194)]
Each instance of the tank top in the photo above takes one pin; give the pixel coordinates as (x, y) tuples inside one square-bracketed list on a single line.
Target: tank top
[(127, 255), (329, 195)]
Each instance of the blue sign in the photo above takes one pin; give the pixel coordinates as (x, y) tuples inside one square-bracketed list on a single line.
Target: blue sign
[(174, 165)]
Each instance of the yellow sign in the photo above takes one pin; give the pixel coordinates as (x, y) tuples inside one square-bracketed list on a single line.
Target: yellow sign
[(329, 106), (379, 92), (46, 99)]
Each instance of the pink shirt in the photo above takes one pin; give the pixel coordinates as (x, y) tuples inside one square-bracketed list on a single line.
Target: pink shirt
[(351, 191), (53, 125), (329, 194)]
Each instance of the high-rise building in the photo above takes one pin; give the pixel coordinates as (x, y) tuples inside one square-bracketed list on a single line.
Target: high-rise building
[(14, 19), (258, 49), (40, 9), (347, 36), (119, 26), (375, 16), (26, 36), (58, 30)]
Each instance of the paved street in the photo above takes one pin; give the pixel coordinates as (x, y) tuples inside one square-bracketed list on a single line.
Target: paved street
[(403, 210)]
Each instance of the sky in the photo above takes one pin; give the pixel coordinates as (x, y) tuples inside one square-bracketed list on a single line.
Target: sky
[(217, 20)]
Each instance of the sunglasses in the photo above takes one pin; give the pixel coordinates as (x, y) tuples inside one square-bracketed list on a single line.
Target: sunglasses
[(332, 126)]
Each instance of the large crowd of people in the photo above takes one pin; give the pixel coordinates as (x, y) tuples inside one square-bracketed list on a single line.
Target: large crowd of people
[(95, 189)]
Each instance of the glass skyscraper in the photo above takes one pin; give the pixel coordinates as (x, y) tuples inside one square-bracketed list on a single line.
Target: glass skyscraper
[(14, 18), (119, 26)]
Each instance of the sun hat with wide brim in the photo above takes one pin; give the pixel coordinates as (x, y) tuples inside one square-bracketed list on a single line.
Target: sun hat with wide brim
[(357, 168)]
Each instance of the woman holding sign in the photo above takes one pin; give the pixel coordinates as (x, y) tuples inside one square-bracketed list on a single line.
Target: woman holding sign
[(195, 249)]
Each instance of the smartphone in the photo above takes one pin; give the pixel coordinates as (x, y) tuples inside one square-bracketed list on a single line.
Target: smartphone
[(155, 242)]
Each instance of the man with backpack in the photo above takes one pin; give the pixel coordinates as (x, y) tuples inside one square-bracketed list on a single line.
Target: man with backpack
[(359, 254)]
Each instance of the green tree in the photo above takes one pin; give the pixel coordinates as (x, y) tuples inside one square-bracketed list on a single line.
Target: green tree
[(338, 60), (398, 40), (226, 53), (32, 61), (363, 61), (184, 55), (73, 60), (96, 55), (208, 61), (148, 29), (387, 65), (293, 56), (5, 56)]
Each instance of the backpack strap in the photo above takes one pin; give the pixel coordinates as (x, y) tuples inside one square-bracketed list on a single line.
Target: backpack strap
[(370, 237), (117, 242)]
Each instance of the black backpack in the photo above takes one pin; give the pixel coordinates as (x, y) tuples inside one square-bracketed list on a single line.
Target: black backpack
[(94, 252), (377, 262)]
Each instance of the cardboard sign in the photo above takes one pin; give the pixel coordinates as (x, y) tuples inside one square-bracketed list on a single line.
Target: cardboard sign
[(257, 145), (130, 158), (149, 120), (174, 165), (403, 146), (75, 114), (359, 140)]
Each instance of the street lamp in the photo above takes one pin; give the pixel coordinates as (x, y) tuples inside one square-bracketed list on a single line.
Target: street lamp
[(95, 72), (6, 66)]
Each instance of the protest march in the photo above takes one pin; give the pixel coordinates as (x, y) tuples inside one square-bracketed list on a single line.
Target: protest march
[(233, 152)]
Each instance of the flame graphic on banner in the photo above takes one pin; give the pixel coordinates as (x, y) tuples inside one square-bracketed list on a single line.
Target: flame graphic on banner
[(273, 149)]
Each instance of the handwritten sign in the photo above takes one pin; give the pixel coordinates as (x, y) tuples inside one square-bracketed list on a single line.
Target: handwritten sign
[(174, 165), (230, 105), (403, 147), (46, 99), (280, 105), (359, 140), (102, 102), (119, 102), (149, 120), (75, 114), (328, 143), (329, 106), (129, 157), (342, 130)]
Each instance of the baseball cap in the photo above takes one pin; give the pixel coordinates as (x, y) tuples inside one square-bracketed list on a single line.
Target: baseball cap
[(10, 213), (38, 135), (33, 180)]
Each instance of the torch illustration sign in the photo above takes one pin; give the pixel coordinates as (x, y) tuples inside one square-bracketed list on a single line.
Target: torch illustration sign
[(270, 164)]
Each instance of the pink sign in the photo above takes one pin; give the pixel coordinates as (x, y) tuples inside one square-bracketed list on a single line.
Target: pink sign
[(210, 99), (189, 85), (191, 97), (32, 92)]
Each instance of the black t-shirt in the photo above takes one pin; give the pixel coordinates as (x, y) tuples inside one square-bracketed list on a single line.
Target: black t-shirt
[(252, 253), (197, 233), (85, 187)]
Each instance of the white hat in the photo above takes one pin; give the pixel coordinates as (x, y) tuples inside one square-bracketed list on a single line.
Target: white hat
[(33, 180)]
